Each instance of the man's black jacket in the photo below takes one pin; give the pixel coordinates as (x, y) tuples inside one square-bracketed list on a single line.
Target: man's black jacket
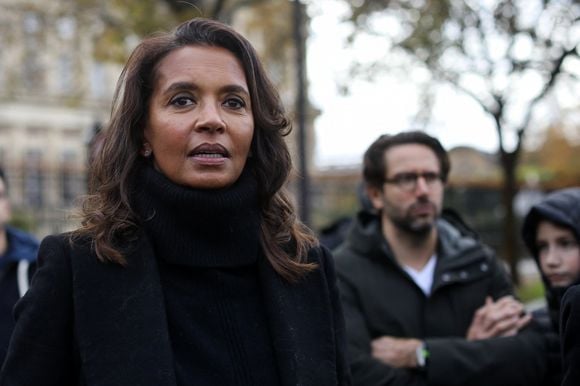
[(380, 298)]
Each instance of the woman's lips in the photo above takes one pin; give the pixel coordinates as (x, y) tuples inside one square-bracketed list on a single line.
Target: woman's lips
[(209, 149), (209, 154)]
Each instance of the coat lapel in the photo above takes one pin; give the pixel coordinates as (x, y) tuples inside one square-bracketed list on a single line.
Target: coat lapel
[(301, 325), (120, 320)]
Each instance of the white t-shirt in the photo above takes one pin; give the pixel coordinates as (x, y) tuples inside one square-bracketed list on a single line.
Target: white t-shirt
[(424, 277)]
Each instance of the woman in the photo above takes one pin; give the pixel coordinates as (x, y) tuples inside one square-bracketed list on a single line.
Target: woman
[(551, 232), (190, 266)]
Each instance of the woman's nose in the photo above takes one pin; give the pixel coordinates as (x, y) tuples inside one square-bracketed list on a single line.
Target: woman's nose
[(210, 119)]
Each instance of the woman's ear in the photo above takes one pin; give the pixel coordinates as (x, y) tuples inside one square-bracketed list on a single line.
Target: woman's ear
[(146, 150)]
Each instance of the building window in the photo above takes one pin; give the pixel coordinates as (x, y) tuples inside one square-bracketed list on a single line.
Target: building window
[(33, 178), (66, 72), (71, 180), (66, 27), (33, 75), (4, 44), (2, 68), (98, 80)]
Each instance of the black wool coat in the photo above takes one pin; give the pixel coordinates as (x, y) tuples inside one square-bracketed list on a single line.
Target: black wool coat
[(84, 322)]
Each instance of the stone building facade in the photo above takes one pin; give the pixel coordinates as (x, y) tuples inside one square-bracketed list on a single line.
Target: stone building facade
[(54, 93)]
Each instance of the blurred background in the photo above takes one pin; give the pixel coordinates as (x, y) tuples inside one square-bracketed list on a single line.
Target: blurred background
[(498, 81)]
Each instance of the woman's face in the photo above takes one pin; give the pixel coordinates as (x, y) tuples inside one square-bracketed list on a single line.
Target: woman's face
[(200, 123), (559, 253)]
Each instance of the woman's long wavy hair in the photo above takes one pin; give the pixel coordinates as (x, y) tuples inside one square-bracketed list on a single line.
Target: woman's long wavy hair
[(107, 216)]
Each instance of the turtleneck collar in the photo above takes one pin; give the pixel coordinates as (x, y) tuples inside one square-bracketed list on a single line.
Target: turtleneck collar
[(196, 227)]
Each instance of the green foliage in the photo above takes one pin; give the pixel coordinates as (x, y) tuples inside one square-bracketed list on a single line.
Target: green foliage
[(530, 290), (126, 18), (324, 215), (23, 220), (554, 163)]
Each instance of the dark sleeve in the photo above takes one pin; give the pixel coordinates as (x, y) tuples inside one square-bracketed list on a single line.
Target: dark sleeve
[(570, 336), (516, 360), (40, 351), (506, 361), (343, 371), (500, 283), (364, 368)]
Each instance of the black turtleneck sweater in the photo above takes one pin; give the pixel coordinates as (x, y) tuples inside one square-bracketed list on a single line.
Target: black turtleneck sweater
[(207, 246)]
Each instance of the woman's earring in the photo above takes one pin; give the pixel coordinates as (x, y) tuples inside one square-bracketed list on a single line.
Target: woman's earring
[(146, 150)]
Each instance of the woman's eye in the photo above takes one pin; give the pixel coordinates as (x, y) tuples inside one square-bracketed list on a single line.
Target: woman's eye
[(182, 101), (234, 103)]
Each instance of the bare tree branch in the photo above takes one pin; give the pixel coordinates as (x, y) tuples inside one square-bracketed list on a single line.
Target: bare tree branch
[(556, 70)]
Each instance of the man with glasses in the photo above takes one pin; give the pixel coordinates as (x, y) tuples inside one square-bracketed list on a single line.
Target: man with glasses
[(425, 302)]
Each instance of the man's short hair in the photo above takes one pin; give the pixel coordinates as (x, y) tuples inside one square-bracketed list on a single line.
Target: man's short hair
[(374, 166)]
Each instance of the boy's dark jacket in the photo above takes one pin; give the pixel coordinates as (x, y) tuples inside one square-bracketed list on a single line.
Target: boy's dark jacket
[(562, 208)]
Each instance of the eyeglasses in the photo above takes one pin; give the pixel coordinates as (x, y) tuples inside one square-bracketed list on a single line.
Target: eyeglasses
[(408, 181)]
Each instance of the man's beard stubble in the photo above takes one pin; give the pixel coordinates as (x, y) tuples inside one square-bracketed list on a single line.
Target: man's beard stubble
[(418, 231), (413, 226)]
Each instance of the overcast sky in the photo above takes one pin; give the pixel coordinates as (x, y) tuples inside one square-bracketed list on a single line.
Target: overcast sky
[(348, 124)]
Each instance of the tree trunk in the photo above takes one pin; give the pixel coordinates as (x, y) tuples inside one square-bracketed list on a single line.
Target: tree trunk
[(509, 250), (300, 113)]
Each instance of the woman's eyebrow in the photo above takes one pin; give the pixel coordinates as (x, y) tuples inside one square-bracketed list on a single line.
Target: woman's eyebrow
[(235, 88), (178, 86)]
